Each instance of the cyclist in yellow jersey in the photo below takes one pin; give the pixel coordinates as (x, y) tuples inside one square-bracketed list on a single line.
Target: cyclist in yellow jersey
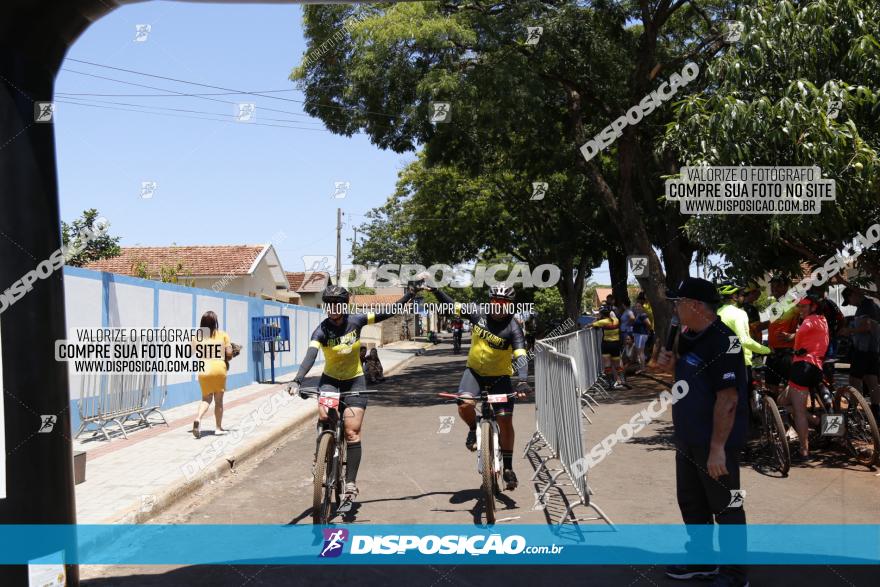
[(496, 342), (610, 343), (339, 337)]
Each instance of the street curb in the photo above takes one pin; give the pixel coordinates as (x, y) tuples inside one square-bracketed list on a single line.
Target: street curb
[(408, 360), (215, 470)]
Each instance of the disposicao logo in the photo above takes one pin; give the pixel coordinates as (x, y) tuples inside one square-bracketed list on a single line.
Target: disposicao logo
[(473, 545), (334, 539)]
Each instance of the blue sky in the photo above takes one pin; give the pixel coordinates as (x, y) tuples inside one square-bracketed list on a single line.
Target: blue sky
[(217, 181)]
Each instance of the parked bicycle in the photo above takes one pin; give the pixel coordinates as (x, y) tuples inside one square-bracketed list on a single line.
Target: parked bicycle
[(774, 439), (489, 464), (329, 468), (843, 417)]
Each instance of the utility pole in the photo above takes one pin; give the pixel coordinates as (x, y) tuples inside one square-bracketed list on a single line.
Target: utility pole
[(338, 244), (355, 241)]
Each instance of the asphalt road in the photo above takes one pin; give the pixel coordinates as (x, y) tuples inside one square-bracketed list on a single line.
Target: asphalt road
[(414, 472)]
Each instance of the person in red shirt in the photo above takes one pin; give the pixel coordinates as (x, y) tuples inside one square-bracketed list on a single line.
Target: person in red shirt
[(780, 338), (810, 344)]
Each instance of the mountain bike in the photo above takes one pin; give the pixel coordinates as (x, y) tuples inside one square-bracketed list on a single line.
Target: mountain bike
[(844, 416), (329, 468), (456, 340), (489, 463), (774, 440)]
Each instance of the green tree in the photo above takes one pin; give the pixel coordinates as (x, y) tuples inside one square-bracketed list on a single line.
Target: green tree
[(521, 110), (772, 105), (101, 247)]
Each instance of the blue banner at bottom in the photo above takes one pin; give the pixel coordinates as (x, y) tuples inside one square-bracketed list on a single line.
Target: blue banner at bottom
[(443, 544)]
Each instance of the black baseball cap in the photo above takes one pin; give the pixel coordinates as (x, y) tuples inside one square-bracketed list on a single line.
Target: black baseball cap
[(695, 288)]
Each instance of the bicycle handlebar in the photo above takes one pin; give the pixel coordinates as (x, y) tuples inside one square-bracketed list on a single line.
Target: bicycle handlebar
[(483, 395), (316, 391)]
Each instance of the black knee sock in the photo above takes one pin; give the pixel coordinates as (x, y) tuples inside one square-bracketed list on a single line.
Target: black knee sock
[(473, 426), (353, 461), (507, 457)]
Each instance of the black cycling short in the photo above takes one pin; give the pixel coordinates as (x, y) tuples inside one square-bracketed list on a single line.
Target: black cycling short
[(778, 366), (328, 383), (805, 375), (472, 383), (863, 363), (611, 347)]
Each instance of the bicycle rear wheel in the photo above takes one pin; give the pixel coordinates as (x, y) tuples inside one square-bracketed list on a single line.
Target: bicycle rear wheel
[(861, 437), (487, 454), (322, 481), (774, 434)]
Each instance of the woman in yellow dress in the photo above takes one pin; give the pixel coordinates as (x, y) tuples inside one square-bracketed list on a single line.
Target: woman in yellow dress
[(213, 379)]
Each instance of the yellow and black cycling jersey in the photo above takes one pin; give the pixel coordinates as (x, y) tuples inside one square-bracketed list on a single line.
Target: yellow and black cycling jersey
[(341, 344), (494, 343), (610, 329)]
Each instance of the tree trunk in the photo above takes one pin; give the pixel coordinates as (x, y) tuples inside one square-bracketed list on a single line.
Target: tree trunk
[(571, 287), (619, 272), (677, 256), (634, 238)]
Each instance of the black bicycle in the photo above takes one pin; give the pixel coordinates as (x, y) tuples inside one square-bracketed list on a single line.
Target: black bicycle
[(774, 440), (843, 415), (329, 471), (456, 340), (489, 462)]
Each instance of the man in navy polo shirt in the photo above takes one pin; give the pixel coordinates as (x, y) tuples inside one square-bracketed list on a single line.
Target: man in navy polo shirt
[(710, 424)]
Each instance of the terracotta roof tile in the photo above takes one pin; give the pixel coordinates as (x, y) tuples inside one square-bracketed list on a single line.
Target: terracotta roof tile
[(197, 260), (307, 281)]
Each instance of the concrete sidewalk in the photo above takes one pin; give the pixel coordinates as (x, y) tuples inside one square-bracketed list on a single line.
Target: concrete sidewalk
[(130, 481)]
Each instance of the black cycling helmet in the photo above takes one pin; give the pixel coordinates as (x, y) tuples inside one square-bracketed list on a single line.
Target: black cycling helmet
[(502, 291), (334, 294)]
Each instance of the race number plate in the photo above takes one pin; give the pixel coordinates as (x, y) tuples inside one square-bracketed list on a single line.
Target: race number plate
[(833, 424), (499, 398), (329, 399)]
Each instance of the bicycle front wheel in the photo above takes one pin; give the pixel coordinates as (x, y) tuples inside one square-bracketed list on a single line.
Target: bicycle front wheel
[(774, 433), (861, 436), (487, 454), (323, 479)]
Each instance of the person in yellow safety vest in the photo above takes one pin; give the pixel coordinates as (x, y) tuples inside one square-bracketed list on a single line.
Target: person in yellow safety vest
[(738, 320)]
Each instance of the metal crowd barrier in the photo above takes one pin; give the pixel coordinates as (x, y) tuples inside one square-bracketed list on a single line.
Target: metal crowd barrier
[(107, 398), (560, 381)]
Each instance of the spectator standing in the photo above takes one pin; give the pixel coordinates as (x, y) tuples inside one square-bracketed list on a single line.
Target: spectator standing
[(748, 296), (811, 344), (610, 343), (780, 337), (649, 343), (642, 328), (710, 423), (213, 379), (738, 321), (373, 367), (865, 333)]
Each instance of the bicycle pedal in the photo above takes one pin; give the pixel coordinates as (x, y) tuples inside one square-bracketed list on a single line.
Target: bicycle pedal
[(345, 507)]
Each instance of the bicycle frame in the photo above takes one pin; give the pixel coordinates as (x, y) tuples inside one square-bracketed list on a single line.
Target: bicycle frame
[(487, 412)]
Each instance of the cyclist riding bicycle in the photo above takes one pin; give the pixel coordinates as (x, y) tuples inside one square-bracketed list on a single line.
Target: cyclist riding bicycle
[(496, 341), (457, 329), (339, 337)]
